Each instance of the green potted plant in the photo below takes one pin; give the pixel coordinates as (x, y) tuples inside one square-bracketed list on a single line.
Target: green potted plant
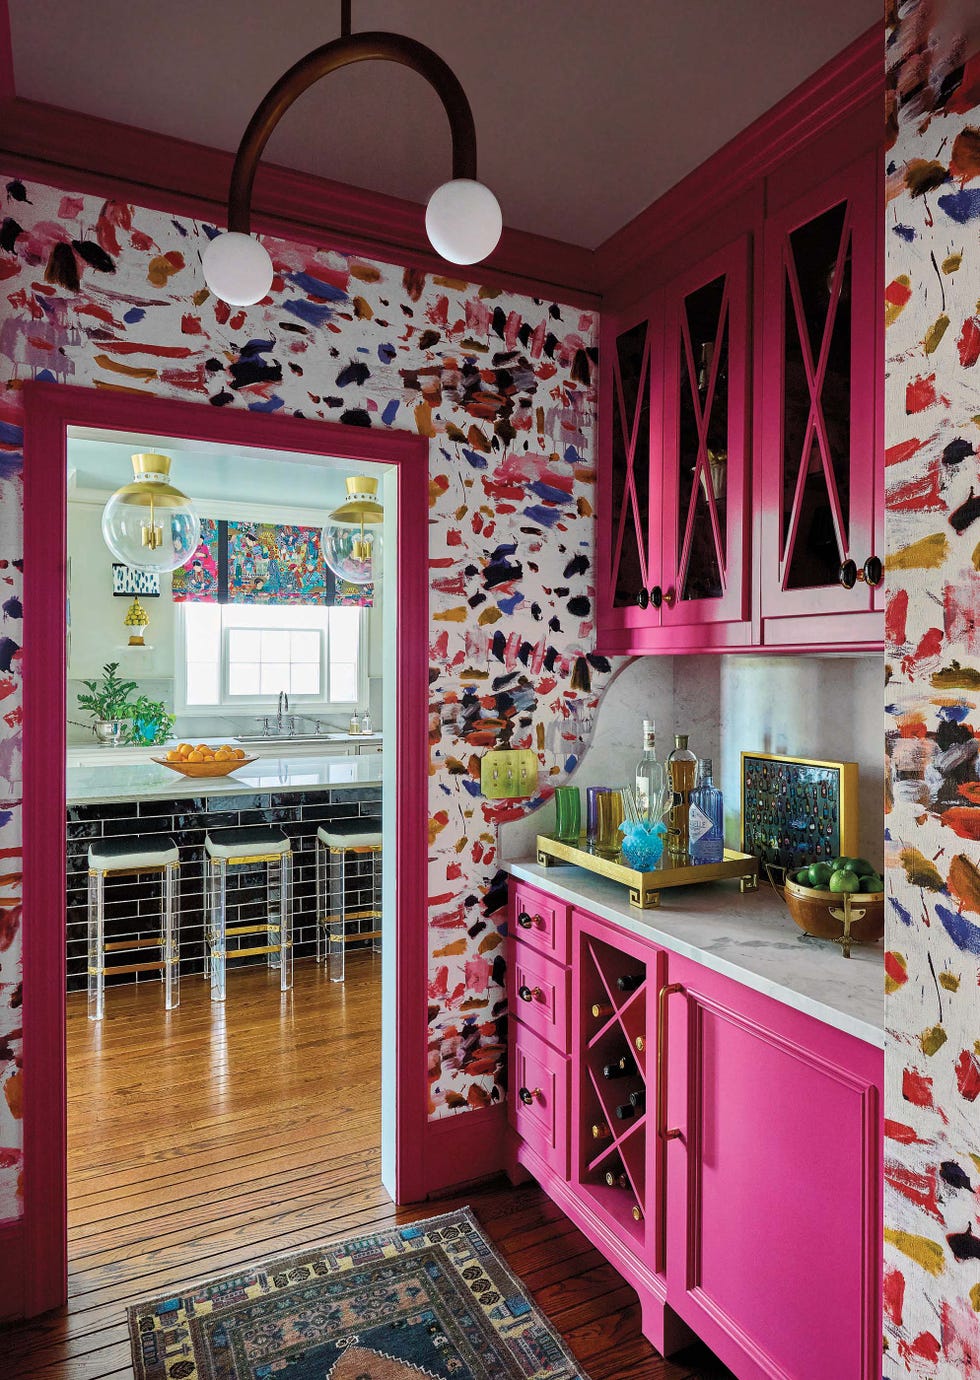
[(109, 701), (152, 721)]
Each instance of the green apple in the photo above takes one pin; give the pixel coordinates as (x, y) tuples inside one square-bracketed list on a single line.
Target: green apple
[(819, 873), (863, 868), (845, 880), (869, 884)]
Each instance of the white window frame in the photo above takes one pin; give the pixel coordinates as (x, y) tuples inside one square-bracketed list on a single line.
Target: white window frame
[(237, 707)]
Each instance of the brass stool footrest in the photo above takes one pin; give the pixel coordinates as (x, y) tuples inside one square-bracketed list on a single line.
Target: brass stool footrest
[(129, 968), (252, 929), (247, 953), (116, 944)]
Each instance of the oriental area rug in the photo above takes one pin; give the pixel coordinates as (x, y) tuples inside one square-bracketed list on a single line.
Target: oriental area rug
[(429, 1299)]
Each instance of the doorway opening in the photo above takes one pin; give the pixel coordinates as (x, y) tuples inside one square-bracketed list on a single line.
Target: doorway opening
[(264, 1103)]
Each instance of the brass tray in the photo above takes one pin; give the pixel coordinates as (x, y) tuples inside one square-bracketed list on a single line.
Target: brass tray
[(645, 887)]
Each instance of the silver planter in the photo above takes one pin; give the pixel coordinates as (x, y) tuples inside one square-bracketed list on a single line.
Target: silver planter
[(112, 732)]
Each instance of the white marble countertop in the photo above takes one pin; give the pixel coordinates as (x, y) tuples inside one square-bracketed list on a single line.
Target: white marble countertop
[(749, 937), (108, 781)]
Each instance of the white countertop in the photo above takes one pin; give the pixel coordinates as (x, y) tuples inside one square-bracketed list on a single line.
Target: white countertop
[(108, 781), (749, 937)]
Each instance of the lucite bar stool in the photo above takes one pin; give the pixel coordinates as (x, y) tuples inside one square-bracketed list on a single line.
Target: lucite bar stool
[(336, 845), (245, 847), (131, 857)]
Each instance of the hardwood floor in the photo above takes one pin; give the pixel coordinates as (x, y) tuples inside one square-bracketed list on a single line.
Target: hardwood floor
[(209, 1136)]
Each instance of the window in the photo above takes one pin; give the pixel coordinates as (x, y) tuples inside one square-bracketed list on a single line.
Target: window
[(235, 655)]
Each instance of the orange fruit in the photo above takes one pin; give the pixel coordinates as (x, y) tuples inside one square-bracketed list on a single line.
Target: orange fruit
[(184, 748), (223, 755), (173, 755), (195, 756), (239, 752), (202, 747)]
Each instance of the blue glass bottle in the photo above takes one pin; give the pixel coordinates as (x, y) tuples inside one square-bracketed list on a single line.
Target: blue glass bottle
[(706, 821)]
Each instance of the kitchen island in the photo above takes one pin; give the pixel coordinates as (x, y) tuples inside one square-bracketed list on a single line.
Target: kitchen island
[(120, 798)]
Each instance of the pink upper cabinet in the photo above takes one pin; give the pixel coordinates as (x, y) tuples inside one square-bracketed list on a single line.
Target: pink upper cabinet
[(820, 488)]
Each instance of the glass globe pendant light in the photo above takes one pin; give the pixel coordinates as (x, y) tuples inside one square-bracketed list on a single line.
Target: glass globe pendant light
[(349, 544), (149, 524)]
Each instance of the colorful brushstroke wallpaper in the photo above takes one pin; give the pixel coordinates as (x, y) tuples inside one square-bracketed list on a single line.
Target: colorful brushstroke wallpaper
[(108, 295), (932, 290)]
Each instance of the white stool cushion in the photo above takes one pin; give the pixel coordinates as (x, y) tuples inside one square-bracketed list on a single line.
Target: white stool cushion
[(258, 841), (351, 833), (130, 854)]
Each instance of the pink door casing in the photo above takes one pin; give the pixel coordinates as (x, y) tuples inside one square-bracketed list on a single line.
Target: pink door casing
[(820, 477), (772, 1125)]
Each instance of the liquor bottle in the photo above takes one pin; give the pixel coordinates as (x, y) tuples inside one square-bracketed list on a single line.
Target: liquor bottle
[(638, 1099), (601, 1009), (622, 1068), (626, 1111), (706, 819), (615, 1178), (650, 778), (600, 1131), (630, 982), (682, 766)]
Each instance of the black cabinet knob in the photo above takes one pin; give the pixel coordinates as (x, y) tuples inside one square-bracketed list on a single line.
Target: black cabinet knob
[(848, 574), (527, 1096), (873, 572), (529, 993), (642, 599), (656, 596), (524, 920)]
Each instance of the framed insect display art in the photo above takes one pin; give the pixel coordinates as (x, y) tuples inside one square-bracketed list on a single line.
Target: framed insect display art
[(797, 810)]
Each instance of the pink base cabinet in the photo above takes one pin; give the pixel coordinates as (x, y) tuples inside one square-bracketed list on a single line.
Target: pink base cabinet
[(720, 1148)]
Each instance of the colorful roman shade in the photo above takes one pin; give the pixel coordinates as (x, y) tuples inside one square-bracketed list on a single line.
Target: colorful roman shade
[(262, 563)]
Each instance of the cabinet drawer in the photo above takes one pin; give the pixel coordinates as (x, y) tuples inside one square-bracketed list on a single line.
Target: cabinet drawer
[(540, 921), (539, 996), (539, 1097)]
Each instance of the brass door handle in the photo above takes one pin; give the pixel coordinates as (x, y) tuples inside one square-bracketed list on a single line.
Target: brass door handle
[(528, 1097), (526, 921), (529, 993), (673, 1133)]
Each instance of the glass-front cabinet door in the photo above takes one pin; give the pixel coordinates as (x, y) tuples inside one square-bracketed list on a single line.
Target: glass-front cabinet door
[(704, 527), (819, 443), (630, 355)]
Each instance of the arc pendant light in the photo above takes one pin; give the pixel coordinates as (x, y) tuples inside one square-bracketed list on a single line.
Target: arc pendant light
[(463, 218)]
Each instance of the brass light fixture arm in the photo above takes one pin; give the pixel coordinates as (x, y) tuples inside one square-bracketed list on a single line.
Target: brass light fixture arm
[(331, 57)]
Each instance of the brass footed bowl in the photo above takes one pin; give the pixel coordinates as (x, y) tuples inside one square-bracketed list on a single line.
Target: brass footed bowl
[(206, 768), (813, 909)]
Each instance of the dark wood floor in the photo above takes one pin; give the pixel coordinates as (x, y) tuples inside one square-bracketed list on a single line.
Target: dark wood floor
[(209, 1136)]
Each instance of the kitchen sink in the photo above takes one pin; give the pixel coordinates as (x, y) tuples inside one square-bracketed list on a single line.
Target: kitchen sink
[(276, 738)]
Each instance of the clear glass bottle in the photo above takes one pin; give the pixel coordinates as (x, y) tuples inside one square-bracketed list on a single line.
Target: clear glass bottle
[(682, 768), (366, 722), (650, 776), (706, 818)]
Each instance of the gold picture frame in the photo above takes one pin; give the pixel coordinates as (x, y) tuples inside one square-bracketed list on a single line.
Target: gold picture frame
[(797, 810)]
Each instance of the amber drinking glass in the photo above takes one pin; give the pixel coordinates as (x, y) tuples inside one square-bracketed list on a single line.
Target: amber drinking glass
[(609, 816)]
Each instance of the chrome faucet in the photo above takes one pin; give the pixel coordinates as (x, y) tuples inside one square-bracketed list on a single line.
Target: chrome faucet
[(283, 698)]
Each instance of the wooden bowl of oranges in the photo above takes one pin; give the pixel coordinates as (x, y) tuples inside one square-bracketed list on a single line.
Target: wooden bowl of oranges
[(204, 760)]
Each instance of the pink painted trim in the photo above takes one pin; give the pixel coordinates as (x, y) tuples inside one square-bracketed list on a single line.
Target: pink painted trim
[(75, 151), (49, 410), (11, 1270), (7, 88), (841, 86)]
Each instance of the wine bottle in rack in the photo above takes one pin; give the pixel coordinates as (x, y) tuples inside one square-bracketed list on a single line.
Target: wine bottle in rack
[(600, 1131), (637, 1213), (601, 1009), (615, 1178), (638, 1099), (626, 1111), (630, 981), (620, 1068)]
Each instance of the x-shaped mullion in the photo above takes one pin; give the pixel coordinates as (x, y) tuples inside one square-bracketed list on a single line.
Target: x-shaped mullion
[(630, 434), (702, 469), (815, 377)]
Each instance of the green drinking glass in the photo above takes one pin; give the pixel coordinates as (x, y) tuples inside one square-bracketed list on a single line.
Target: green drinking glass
[(568, 814)]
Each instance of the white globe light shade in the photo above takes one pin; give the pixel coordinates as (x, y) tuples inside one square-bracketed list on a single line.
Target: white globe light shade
[(349, 552), (463, 220), (237, 268)]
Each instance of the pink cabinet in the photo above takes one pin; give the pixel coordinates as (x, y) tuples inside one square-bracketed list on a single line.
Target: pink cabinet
[(772, 1124), (674, 478), (722, 1149), (741, 478), (820, 480)]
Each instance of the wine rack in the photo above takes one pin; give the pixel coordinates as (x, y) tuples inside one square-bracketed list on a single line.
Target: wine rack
[(615, 1074)]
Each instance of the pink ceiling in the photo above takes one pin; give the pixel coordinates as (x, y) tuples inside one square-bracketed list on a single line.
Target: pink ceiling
[(586, 110)]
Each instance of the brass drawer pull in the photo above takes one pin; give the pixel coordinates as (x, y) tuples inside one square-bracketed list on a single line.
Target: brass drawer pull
[(527, 922), (663, 1132), (529, 993), (528, 1097)]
